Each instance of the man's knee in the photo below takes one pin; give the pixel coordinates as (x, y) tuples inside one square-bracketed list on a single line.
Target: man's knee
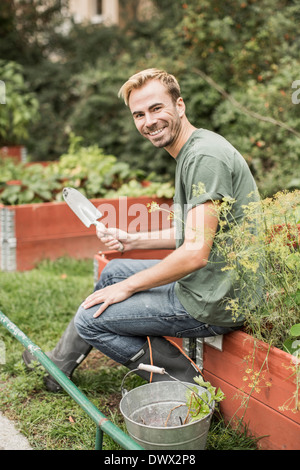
[(83, 323), (78, 321), (115, 271), (86, 325)]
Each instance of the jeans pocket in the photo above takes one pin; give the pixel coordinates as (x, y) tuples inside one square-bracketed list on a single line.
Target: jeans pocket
[(203, 330), (221, 330), (192, 331)]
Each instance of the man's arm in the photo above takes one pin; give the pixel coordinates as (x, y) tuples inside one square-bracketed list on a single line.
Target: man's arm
[(160, 239), (193, 254)]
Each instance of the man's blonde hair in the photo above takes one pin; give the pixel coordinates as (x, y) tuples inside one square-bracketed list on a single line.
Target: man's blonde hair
[(139, 79)]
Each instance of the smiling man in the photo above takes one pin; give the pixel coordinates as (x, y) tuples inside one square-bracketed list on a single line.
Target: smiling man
[(136, 303), (183, 295)]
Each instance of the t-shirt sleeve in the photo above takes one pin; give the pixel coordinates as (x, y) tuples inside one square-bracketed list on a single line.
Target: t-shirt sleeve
[(206, 179)]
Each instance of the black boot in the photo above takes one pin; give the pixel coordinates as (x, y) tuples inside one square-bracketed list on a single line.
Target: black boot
[(164, 355), (69, 352)]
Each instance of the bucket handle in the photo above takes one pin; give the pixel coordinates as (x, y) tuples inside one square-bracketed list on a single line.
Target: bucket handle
[(147, 368), (162, 371)]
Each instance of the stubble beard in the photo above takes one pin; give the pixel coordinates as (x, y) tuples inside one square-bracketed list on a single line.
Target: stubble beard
[(164, 141)]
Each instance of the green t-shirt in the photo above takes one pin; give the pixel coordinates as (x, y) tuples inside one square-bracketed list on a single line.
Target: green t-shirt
[(209, 159)]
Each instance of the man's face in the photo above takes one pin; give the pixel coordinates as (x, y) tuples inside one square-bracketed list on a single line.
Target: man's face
[(156, 116)]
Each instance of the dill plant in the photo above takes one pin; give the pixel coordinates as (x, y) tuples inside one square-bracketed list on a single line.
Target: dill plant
[(262, 255)]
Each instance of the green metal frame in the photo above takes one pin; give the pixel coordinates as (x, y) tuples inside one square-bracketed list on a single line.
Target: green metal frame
[(103, 425)]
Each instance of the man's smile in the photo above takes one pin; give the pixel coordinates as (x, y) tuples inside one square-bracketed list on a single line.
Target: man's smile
[(156, 132)]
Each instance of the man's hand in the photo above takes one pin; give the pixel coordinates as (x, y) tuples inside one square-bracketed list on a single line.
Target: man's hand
[(114, 238), (107, 296)]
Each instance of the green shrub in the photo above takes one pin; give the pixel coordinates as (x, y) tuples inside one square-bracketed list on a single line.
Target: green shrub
[(87, 169), (21, 105)]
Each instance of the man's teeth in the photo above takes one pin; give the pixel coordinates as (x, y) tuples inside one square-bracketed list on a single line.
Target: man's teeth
[(156, 132)]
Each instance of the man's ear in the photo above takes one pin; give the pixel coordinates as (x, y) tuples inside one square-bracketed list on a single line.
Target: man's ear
[(180, 106)]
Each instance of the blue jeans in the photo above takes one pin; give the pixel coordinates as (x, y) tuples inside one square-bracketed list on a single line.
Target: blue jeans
[(122, 329)]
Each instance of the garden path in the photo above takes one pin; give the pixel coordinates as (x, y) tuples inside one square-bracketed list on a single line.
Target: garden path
[(10, 437)]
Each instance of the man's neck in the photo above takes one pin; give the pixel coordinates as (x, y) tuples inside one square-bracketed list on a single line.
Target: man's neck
[(187, 130)]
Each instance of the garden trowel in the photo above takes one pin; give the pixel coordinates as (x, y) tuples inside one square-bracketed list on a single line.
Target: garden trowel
[(84, 209)]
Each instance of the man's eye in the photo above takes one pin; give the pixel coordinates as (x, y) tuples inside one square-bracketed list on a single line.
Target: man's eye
[(157, 108)]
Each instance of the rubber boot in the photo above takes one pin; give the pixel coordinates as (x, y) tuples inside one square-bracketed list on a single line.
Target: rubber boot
[(165, 355), (69, 352)]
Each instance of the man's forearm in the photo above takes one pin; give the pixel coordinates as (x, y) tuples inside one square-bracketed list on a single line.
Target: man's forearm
[(192, 255), (160, 239), (172, 268)]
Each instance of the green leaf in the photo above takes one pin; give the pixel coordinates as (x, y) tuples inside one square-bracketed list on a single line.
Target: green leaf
[(292, 347), (293, 261), (200, 408), (295, 330)]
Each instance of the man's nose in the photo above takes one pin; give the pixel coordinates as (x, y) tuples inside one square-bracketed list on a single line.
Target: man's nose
[(150, 120)]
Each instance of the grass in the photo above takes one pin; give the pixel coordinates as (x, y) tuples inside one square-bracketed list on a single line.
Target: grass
[(41, 303)]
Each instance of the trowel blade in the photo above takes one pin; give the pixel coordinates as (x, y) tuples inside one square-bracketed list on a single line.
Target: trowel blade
[(81, 206)]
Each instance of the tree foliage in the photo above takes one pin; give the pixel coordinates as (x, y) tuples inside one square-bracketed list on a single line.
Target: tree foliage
[(236, 62), (250, 49), (20, 107)]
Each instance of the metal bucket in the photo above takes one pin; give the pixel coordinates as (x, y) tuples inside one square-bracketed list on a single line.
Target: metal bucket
[(146, 411)]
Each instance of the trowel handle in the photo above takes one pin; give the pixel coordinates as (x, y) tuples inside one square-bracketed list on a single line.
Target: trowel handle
[(99, 225), (154, 369), (147, 368)]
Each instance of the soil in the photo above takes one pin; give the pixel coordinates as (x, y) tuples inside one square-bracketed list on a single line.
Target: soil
[(96, 359)]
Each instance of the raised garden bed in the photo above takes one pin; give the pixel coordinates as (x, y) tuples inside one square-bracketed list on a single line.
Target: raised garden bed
[(17, 153), (30, 233)]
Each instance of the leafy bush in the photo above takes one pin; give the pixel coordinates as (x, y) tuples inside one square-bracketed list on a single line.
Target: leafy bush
[(248, 49), (86, 168), (225, 40), (21, 106), (292, 343)]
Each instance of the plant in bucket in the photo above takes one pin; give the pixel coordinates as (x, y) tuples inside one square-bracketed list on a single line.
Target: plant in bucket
[(169, 415)]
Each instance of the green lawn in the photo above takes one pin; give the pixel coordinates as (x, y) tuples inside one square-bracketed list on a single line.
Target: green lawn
[(41, 303)]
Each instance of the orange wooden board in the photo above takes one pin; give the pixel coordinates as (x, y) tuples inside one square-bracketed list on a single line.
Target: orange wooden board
[(248, 366), (277, 432)]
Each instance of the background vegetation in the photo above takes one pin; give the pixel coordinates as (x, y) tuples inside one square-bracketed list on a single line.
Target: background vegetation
[(85, 168), (236, 62)]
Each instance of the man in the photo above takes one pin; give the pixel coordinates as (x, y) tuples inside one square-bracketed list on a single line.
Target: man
[(137, 303)]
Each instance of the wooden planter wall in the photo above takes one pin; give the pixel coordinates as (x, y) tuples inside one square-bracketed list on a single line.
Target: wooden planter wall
[(260, 386), (16, 153), (30, 233)]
